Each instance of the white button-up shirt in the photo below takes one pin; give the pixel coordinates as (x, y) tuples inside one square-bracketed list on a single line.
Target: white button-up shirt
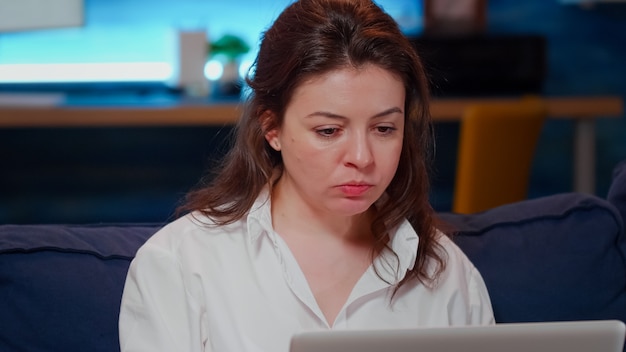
[(238, 288)]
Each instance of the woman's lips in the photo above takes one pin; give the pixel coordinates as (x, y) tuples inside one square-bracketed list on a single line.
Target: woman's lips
[(353, 190)]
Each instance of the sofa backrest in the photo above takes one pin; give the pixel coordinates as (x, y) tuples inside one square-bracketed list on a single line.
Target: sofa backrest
[(617, 191), (60, 286), (560, 257)]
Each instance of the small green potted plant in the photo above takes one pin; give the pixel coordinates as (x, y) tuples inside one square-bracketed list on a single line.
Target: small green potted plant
[(228, 49)]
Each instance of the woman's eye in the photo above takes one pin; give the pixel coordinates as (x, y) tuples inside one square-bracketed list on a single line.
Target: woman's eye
[(327, 132), (385, 129)]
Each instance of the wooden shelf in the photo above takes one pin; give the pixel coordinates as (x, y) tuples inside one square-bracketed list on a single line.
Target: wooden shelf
[(228, 113)]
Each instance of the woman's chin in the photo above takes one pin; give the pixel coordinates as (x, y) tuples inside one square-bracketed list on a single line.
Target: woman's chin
[(351, 207)]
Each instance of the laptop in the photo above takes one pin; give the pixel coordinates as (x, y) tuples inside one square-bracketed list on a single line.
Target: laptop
[(572, 336)]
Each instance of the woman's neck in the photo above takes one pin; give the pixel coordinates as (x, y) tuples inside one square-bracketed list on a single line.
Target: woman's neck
[(292, 214)]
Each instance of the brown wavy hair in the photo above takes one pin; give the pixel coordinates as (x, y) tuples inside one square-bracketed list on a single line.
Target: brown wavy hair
[(310, 38)]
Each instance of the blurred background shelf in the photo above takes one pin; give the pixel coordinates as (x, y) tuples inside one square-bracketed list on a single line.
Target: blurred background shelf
[(134, 162)]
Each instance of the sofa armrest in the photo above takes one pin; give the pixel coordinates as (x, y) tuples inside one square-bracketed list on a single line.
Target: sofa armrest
[(61, 286)]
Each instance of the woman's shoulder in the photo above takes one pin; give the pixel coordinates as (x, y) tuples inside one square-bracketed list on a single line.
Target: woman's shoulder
[(453, 251), (193, 229), (457, 263)]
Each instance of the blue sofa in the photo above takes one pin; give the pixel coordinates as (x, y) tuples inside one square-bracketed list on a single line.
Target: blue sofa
[(560, 257)]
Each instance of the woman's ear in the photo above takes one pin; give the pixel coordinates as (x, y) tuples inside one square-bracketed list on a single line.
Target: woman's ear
[(269, 124), (272, 138)]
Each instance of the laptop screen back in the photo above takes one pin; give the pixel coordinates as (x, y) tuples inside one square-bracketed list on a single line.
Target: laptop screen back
[(578, 336)]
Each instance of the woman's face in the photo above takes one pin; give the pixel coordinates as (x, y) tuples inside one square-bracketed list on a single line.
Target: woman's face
[(341, 140)]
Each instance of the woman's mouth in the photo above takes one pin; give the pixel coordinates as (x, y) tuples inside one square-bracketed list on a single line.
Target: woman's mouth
[(354, 190)]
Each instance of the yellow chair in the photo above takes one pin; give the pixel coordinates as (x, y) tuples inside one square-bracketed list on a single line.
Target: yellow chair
[(497, 143)]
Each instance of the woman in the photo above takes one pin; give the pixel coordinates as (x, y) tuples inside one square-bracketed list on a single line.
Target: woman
[(313, 220)]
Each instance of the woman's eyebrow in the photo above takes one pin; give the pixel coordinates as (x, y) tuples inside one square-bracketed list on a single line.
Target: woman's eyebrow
[(394, 110), (326, 114)]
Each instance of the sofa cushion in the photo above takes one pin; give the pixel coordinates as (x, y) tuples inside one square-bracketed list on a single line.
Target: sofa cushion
[(61, 286), (560, 257)]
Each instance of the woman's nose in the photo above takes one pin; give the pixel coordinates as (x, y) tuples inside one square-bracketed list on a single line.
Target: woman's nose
[(359, 151)]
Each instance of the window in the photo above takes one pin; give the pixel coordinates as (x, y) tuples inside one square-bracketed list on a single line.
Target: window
[(131, 40)]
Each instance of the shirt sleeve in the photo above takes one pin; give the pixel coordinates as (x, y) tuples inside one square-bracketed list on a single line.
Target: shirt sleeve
[(481, 312), (157, 313)]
